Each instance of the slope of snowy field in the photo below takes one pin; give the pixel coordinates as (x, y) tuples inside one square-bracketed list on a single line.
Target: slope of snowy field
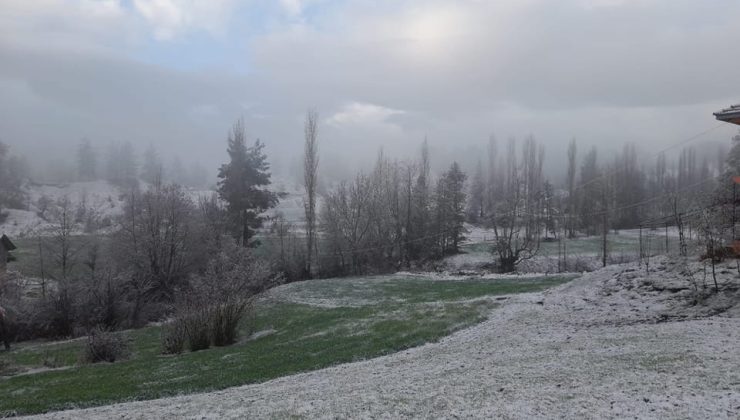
[(99, 196), (615, 343)]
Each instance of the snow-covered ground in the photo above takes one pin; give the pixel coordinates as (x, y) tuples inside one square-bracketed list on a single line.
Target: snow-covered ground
[(615, 343), (99, 196)]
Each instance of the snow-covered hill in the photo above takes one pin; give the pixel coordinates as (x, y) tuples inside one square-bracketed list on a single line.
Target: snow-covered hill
[(106, 201), (99, 197)]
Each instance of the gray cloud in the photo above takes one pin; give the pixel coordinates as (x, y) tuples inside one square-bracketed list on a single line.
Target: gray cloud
[(389, 73)]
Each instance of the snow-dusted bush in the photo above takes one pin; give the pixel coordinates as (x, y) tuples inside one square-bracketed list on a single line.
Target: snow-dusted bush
[(100, 301), (42, 205), (104, 346), (174, 337), (197, 324), (54, 317), (217, 301), (225, 321)]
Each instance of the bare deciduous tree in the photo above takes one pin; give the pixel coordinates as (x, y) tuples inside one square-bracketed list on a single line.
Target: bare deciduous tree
[(60, 245), (572, 199), (510, 218), (155, 245), (347, 219), (477, 202)]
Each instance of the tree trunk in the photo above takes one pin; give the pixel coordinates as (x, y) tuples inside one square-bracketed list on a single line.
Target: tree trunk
[(245, 229), (507, 264)]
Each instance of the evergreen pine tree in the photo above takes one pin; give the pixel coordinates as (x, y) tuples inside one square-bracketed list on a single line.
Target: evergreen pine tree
[(242, 184), (455, 180), (450, 209)]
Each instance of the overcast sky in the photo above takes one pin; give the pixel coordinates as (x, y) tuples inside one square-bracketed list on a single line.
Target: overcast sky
[(177, 73)]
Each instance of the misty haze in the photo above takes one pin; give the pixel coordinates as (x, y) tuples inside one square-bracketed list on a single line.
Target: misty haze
[(369, 209)]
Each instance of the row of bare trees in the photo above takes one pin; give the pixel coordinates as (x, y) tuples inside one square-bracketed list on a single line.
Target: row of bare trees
[(13, 171), (397, 214), (391, 217), (513, 198)]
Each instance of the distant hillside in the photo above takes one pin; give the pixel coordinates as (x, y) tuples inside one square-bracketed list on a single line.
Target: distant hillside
[(97, 203)]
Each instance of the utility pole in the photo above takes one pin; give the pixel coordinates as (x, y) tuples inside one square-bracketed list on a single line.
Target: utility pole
[(604, 226), (604, 232), (603, 245), (734, 204), (640, 256), (666, 237), (647, 249), (560, 255)]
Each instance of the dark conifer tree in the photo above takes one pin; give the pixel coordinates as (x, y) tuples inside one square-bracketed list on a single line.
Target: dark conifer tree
[(243, 184), (450, 209)]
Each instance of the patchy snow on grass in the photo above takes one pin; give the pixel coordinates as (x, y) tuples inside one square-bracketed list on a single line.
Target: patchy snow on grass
[(619, 342), (462, 276), (329, 293)]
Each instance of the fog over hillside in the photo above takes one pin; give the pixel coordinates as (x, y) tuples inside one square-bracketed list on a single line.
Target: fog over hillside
[(381, 74)]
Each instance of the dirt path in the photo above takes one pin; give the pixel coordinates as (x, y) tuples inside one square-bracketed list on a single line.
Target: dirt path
[(593, 348)]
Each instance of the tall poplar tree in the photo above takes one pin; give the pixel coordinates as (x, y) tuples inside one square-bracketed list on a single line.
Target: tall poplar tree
[(310, 170)]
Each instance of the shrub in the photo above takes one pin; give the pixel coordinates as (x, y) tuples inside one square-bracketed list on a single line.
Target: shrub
[(225, 320), (99, 298), (7, 368), (54, 317), (215, 302), (174, 336), (198, 328), (52, 360), (104, 346)]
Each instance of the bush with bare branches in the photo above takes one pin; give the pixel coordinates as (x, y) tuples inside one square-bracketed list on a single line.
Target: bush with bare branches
[(174, 337), (217, 301), (104, 346)]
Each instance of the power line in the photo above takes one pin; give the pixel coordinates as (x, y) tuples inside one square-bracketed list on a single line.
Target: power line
[(390, 245), (616, 171), (658, 197), (681, 143)]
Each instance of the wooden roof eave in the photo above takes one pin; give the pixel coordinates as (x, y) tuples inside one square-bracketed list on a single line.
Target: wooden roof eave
[(730, 115), (7, 243)]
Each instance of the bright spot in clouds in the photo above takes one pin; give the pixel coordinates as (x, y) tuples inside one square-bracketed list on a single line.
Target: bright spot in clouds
[(432, 26), (358, 113)]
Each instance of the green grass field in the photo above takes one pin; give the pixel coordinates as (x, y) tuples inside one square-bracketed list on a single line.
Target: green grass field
[(592, 245), (357, 318)]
